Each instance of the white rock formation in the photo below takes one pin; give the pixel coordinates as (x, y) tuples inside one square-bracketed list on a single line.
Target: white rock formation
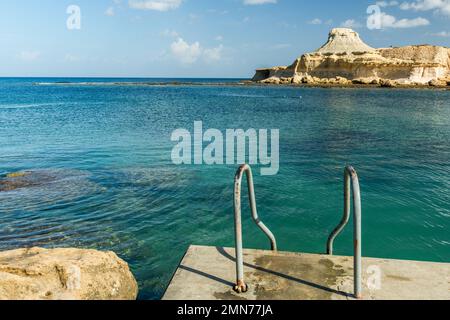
[(64, 274), (346, 56), (343, 40)]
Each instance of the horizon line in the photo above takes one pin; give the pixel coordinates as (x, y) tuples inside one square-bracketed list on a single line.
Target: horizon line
[(115, 77)]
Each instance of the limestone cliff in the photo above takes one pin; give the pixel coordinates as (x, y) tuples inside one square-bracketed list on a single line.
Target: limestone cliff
[(346, 59)]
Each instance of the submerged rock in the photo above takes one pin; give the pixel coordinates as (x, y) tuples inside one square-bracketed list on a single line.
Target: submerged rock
[(14, 181), (46, 181), (65, 274), (24, 179), (35, 192), (16, 174)]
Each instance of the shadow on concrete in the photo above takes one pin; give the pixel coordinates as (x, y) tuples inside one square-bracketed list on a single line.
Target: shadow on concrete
[(206, 275), (285, 276)]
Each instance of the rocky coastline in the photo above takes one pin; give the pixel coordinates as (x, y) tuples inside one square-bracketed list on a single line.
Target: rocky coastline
[(332, 83), (346, 61)]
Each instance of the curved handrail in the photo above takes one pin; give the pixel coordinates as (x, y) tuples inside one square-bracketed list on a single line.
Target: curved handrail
[(240, 283), (351, 177)]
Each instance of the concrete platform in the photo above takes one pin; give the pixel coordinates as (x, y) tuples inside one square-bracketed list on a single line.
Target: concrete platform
[(208, 273)]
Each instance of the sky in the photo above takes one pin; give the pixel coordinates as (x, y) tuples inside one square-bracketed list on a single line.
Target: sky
[(196, 38)]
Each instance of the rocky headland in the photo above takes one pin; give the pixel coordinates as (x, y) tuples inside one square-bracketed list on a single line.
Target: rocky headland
[(345, 60)]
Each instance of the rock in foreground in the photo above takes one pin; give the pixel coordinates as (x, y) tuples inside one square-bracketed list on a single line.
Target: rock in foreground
[(345, 60), (65, 274)]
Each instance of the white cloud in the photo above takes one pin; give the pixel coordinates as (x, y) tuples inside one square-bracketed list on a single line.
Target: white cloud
[(186, 53), (110, 11), (351, 23), (158, 5), (444, 34), (281, 46), (29, 56), (170, 33), (318, 21), (315, 21), (257, 2), (439, 6), (214, 54), (222, 12), (384, 4), (387, 21), (191, 53)]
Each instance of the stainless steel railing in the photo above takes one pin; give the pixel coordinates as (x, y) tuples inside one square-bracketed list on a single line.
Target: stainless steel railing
[(351, 179), (351, 183), (241, 286)]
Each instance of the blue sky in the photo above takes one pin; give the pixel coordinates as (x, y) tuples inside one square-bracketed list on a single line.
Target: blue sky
[(196, 38)]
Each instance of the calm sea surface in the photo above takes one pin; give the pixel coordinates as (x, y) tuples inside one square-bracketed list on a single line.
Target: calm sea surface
[(104, 178)]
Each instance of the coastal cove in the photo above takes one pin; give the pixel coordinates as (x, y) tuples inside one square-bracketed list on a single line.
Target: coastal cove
[(102, 176)]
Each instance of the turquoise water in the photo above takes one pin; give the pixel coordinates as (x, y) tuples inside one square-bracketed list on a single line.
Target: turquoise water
[(101, 154)]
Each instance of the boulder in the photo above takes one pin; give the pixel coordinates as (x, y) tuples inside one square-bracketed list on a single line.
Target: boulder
[(308, 80), (297, 79), (437, 83), (271, 80), (362, 81), (65, 274), (285, 80), (341, 80), (387, 83)]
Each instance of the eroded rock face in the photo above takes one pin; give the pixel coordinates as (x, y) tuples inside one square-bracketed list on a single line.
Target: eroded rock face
[(343, 40), (65, 274), (346, 56)]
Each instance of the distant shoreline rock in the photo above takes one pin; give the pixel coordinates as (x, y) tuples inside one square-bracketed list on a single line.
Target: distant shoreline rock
[(345, 60), (65, 274)]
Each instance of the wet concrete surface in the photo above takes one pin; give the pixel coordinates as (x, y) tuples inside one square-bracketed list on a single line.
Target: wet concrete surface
[(208, 273)]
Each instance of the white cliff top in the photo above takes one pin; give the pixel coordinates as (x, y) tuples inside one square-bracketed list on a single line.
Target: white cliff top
[(344, 40)]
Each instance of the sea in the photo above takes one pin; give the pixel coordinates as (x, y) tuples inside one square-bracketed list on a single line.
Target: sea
[(98, 152)]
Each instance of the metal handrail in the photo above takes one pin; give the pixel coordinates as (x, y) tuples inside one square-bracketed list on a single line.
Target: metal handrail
[(240, 283), (351, 177)]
